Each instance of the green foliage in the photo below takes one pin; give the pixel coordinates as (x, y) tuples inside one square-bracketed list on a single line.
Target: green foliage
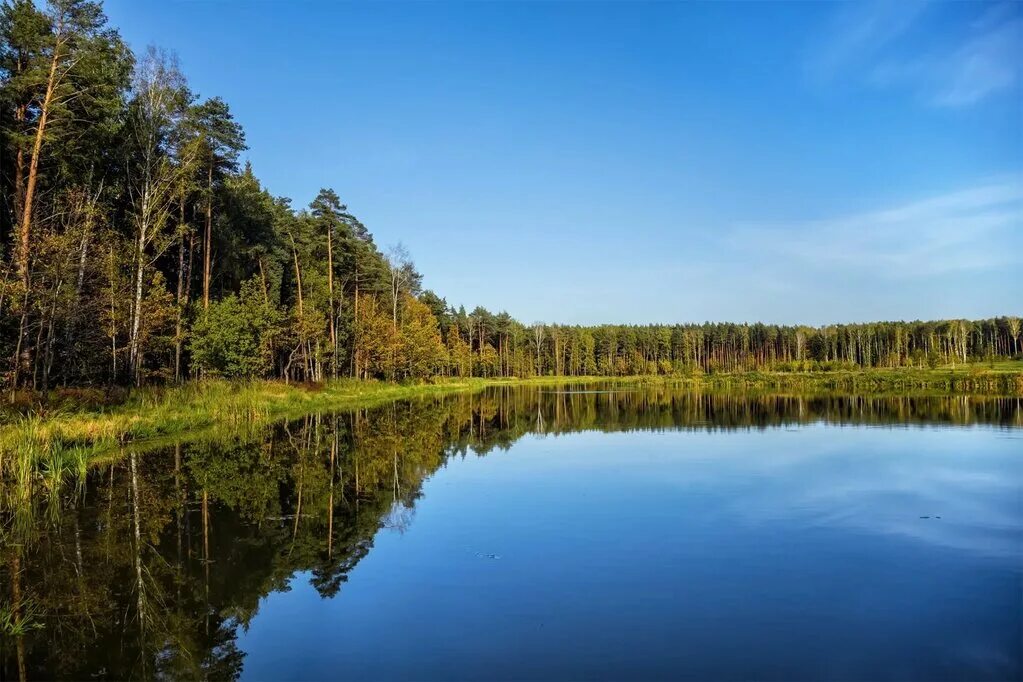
[(236, 337), (21, 622), (421, 351)]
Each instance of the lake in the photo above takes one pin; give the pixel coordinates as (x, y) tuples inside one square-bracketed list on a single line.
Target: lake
[(602, 533)]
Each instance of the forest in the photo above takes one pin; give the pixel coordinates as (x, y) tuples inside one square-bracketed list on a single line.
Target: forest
[(137, 248)]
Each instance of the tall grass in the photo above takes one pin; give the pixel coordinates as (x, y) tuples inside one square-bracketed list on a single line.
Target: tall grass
[(49, 448)]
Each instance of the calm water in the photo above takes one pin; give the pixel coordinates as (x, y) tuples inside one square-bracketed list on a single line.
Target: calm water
[(526, 534)]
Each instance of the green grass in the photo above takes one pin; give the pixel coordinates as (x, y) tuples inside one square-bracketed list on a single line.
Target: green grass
[(998, 366), (53, 445), (1005, 378)]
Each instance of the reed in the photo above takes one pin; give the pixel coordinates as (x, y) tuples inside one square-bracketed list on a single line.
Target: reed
[(50, 446)]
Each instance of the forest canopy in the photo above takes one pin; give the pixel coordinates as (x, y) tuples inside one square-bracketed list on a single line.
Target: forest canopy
[(137, 248)]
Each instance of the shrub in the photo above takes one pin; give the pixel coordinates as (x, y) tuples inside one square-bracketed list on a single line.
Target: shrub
[(234, 337)]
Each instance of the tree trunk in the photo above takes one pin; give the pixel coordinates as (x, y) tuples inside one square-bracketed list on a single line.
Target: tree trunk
[(355, 335), (113, 322), (207, 246), (298, 273), (25, 230), (48, 353), (83, 254), (394, 301), (137, 528), (180, 292), (298, 283), (331, 317), (20, 353), (134, 354), (19, 166)]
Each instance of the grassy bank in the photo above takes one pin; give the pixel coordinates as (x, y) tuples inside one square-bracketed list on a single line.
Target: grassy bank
[(152, 413), (65, 434), (1004, 378), (72, 434)]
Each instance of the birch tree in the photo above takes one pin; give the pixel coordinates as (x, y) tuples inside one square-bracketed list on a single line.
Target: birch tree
[(539, 333), (159, 101)]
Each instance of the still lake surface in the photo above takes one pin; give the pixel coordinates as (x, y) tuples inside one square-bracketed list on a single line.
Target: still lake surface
[(542, 534)]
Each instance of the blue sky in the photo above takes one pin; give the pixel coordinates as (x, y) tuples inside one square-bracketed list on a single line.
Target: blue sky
[(643, 162)]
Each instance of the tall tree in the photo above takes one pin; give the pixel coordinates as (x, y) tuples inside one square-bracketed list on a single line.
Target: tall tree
[(24, 35), (63, 73), (403, 277), (329, 213), (159, 102), (70, 63), (222, 139)]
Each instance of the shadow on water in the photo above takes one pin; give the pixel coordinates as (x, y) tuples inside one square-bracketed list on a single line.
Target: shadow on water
[(152, 564)]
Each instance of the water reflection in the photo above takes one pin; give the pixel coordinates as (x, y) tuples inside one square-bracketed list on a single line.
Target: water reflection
[(158, 562)]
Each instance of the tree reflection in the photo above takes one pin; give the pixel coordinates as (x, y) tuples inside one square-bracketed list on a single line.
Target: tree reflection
[(152, 566)]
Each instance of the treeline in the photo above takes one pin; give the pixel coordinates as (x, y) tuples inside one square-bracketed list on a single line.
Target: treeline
[(503, 347), (136, 249)]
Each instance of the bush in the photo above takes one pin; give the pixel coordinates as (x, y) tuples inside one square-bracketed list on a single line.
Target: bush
[(234, 337)]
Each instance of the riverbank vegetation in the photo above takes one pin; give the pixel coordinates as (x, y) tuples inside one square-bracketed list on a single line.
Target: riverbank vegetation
[(137, 249), (79, 425), (151, 285), (45, 452)]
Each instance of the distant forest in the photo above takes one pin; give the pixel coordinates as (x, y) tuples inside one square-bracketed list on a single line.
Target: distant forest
[(136, 249)]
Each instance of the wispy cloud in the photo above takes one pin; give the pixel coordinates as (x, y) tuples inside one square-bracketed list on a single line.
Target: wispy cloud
[(945, 62), (987, 63), (858, 33), (972, 229)]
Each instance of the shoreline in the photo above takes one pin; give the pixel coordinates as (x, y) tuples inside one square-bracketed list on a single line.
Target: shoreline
[(81, 434)]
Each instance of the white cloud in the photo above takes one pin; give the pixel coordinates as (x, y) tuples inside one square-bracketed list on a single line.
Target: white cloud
[(971, 229), (891, 45), (987, 63), (858, 32)]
